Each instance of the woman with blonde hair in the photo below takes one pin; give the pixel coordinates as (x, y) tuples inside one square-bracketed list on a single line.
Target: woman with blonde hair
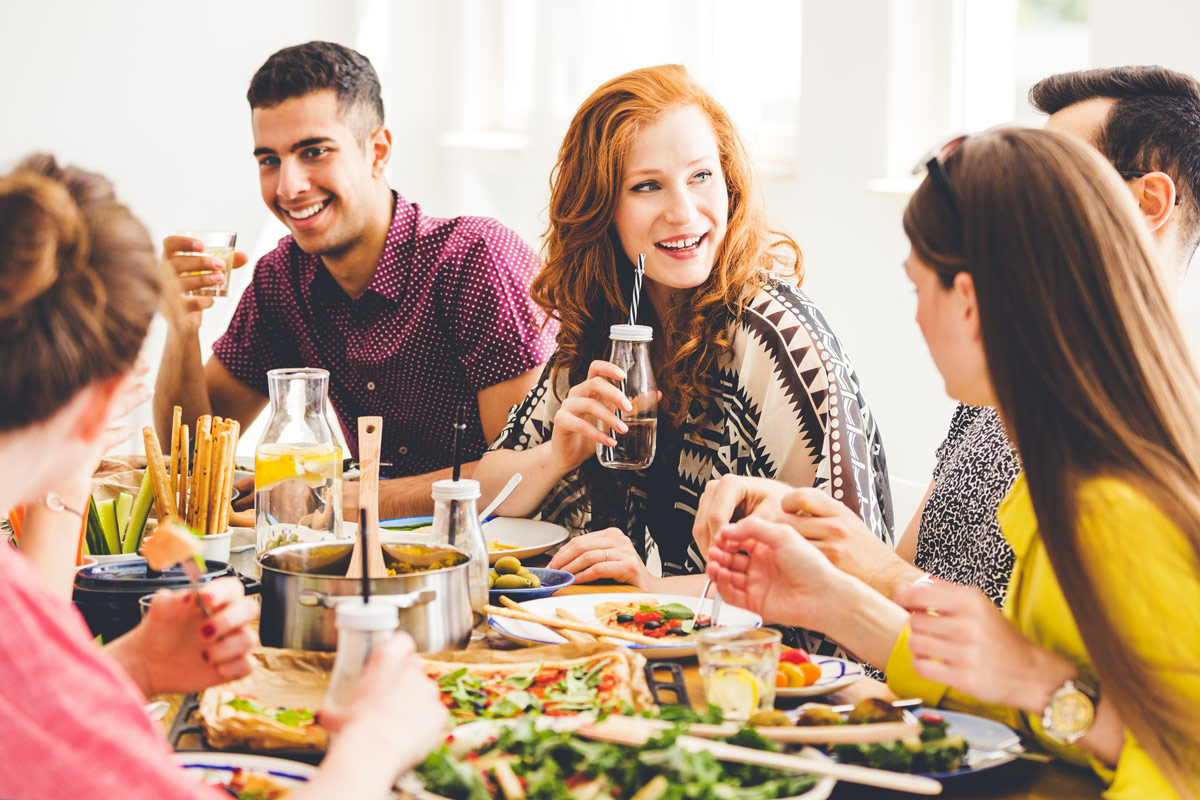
[(753, 381), (1038, 295), (79, 284)]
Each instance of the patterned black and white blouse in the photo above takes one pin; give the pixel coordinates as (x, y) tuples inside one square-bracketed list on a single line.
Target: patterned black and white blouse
[(788, 407), (959, 539)]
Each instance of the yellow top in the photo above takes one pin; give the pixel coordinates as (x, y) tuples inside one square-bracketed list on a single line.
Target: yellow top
[(1150, 567)]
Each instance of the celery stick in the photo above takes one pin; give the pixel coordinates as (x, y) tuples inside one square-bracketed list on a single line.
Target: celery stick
[(108, 525), (138, 515), (124, 503)]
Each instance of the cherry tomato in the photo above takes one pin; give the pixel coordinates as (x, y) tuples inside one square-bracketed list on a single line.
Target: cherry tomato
[(931, 718), (781, 679), (795, 655), (641, 617)]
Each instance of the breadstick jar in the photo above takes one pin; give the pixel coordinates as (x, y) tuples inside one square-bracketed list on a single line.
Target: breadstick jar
[(297, 464)]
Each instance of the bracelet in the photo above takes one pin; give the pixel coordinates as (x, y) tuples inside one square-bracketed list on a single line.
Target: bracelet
[(55, 502)]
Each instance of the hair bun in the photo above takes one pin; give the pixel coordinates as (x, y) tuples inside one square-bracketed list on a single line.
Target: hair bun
[(42, 234)]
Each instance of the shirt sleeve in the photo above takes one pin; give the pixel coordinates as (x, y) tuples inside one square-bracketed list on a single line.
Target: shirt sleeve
[(497, 327), (1132, 547), (251, 346)]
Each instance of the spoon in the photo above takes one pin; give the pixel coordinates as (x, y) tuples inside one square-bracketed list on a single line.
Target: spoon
[(500, 498)]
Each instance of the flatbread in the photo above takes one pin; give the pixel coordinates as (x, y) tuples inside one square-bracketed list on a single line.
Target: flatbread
[(281, 679), (488, 676)]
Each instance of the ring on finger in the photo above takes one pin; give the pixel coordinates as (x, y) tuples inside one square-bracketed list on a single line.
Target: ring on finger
[(606, 555)]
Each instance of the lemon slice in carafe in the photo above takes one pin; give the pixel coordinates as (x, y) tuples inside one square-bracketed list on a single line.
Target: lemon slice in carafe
[(735, 690)]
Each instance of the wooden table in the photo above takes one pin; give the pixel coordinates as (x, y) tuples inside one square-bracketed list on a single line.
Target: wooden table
[(1017, 780)]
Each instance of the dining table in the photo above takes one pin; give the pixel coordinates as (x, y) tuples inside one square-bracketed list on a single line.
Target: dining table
[(1017, 780)]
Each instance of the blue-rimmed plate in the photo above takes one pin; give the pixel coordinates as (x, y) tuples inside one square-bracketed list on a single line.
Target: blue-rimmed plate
[(836, 673), (218, 768), (552, 580), (506, 536), (584, 607)]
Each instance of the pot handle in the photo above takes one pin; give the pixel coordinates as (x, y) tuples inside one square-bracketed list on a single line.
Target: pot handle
[(312, 598)]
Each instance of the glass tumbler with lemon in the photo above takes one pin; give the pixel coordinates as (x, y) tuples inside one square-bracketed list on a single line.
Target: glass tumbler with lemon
[(738, 667), (297, 464)]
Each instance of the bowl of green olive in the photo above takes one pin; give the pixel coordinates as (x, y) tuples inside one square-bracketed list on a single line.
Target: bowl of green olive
[(510, 578)]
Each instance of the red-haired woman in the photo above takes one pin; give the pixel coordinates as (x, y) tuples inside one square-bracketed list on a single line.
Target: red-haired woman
[(753, 381)]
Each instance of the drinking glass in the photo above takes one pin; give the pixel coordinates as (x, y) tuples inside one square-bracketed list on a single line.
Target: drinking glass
[(217, 244), (738, 668)]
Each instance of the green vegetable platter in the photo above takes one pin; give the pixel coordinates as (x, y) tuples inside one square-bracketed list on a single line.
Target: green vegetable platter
[(542, 758)]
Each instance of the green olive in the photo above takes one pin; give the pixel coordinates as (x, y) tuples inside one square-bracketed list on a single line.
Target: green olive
[(507, 566), (513, 582), (535, 580), (491, 578)]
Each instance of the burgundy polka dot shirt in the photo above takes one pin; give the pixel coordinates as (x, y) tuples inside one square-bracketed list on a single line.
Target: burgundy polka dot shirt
[(447, 314)]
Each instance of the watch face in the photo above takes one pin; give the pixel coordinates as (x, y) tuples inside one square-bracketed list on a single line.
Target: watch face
[(1071, 712)]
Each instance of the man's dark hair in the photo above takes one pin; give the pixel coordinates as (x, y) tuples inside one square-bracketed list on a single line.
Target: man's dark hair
[(1154, 125), (315, 66)]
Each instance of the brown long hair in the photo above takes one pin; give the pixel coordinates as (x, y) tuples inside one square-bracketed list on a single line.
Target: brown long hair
[(1091, 373), (587, 279), (79, 284)]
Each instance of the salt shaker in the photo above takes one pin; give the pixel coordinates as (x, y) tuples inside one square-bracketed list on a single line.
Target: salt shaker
[(630, 351), (363, 628)]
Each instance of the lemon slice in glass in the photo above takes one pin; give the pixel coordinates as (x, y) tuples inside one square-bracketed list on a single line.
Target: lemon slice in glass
[(735, 690)]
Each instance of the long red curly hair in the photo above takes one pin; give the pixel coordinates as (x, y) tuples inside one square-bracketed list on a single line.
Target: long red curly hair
[(587, 279)]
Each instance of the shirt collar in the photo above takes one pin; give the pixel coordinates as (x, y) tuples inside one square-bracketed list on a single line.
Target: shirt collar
[(388, 280)]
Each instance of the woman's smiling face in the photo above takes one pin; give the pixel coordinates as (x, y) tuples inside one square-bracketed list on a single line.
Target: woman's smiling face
[(673, 205)]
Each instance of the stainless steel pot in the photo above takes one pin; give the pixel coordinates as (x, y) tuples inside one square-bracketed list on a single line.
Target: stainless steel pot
[(302, 583)]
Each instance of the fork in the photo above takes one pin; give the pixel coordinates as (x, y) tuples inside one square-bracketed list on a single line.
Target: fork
[(716, 606)]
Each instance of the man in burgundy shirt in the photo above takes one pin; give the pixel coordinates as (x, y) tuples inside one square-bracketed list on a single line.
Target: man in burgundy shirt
[(412, 315)]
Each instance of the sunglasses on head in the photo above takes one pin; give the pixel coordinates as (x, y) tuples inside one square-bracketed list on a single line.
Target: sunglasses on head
[(933, 163)]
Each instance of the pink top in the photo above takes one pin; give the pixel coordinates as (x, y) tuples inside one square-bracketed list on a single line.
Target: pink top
[(71, 721), (447, 314)]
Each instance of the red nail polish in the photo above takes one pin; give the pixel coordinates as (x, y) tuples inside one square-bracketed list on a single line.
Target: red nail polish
[(208, 630)]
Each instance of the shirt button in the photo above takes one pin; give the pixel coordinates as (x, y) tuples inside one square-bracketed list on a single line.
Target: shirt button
[(371, 385), (403, 450)]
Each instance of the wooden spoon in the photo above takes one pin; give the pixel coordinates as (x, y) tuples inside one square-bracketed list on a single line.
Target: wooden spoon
[(370, 438)]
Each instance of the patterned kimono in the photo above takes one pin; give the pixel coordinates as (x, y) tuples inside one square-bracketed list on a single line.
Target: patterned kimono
[(788, 407)]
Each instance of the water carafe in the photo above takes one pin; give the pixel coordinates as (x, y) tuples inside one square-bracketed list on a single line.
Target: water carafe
[(297, 464)]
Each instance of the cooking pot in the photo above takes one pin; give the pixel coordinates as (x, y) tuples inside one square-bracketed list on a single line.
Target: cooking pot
[(107, 593), (303, 583)]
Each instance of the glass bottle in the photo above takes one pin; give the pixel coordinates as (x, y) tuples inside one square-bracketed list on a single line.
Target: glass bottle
[(630, 351), (297, 464), (456, 523), (363, 628)]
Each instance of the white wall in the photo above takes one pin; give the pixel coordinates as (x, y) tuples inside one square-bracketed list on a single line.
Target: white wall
[(152, 93)]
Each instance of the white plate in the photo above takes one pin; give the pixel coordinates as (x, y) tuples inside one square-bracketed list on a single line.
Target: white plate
[(529, 537), (217, 768), (990, 743), (836, 673), (584, 607), (472, 735)]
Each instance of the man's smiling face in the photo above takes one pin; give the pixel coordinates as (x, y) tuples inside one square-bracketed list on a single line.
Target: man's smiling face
[(314, 174)]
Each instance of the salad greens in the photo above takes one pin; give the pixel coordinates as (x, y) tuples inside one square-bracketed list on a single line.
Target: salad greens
[(562, 766)]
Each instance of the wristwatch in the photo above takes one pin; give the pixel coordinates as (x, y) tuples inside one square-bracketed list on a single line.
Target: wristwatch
[(1070, 711), (55, 502)]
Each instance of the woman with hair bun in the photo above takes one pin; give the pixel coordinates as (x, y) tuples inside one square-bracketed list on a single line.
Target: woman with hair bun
[(753, 381), (79, 284)]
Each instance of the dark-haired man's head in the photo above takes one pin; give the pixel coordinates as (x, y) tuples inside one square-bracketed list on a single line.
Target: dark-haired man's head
[(1146, 121), (322, 152), (315, 66)]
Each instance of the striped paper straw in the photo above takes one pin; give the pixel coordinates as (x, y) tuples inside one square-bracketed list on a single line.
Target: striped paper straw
[(637, 288)]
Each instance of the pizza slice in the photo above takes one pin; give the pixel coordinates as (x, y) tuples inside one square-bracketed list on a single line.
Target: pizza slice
[(606, 679), (231, 719), (647, 616)]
